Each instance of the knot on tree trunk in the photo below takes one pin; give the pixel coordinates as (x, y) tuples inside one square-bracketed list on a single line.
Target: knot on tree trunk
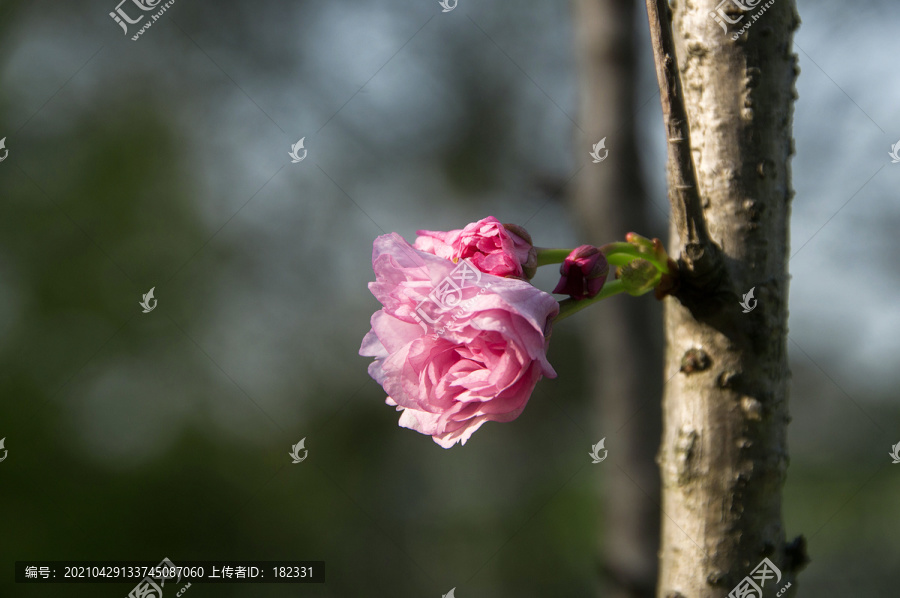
[(703, 281)]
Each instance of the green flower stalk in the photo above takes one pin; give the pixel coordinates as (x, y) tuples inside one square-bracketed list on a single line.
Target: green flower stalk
[(641, 265)]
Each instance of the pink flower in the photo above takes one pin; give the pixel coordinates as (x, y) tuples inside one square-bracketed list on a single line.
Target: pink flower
[(494, 248), (583, 273), (454, 347)]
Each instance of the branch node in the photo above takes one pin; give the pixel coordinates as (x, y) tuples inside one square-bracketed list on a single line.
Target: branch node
[(695, 360)]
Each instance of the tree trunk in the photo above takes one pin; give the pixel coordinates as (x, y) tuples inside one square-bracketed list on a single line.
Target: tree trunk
[(625, 334), (723, 457)]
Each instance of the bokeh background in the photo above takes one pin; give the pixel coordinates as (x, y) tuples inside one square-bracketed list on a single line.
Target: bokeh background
[(163, 162)]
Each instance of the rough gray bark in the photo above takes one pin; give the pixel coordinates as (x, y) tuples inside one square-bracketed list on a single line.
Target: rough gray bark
[(723, 455), (625, 334)]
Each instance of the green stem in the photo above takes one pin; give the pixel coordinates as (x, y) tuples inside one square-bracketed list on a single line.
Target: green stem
[(619, 254), (567, 307), (547, 256)]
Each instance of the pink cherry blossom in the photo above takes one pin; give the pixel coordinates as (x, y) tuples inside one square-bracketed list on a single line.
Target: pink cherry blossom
[(494, 248), (454, 347)]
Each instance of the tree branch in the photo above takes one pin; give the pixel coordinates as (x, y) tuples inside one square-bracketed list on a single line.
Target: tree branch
[(700, 259), (723, 457)]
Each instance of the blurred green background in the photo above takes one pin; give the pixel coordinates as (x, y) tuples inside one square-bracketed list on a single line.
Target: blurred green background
[(163, 163)]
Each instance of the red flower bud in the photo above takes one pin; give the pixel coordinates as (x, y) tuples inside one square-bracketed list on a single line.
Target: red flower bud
[(583, 273)]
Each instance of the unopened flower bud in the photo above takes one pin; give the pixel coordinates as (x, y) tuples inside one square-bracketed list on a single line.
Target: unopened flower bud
[(583, 273)]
